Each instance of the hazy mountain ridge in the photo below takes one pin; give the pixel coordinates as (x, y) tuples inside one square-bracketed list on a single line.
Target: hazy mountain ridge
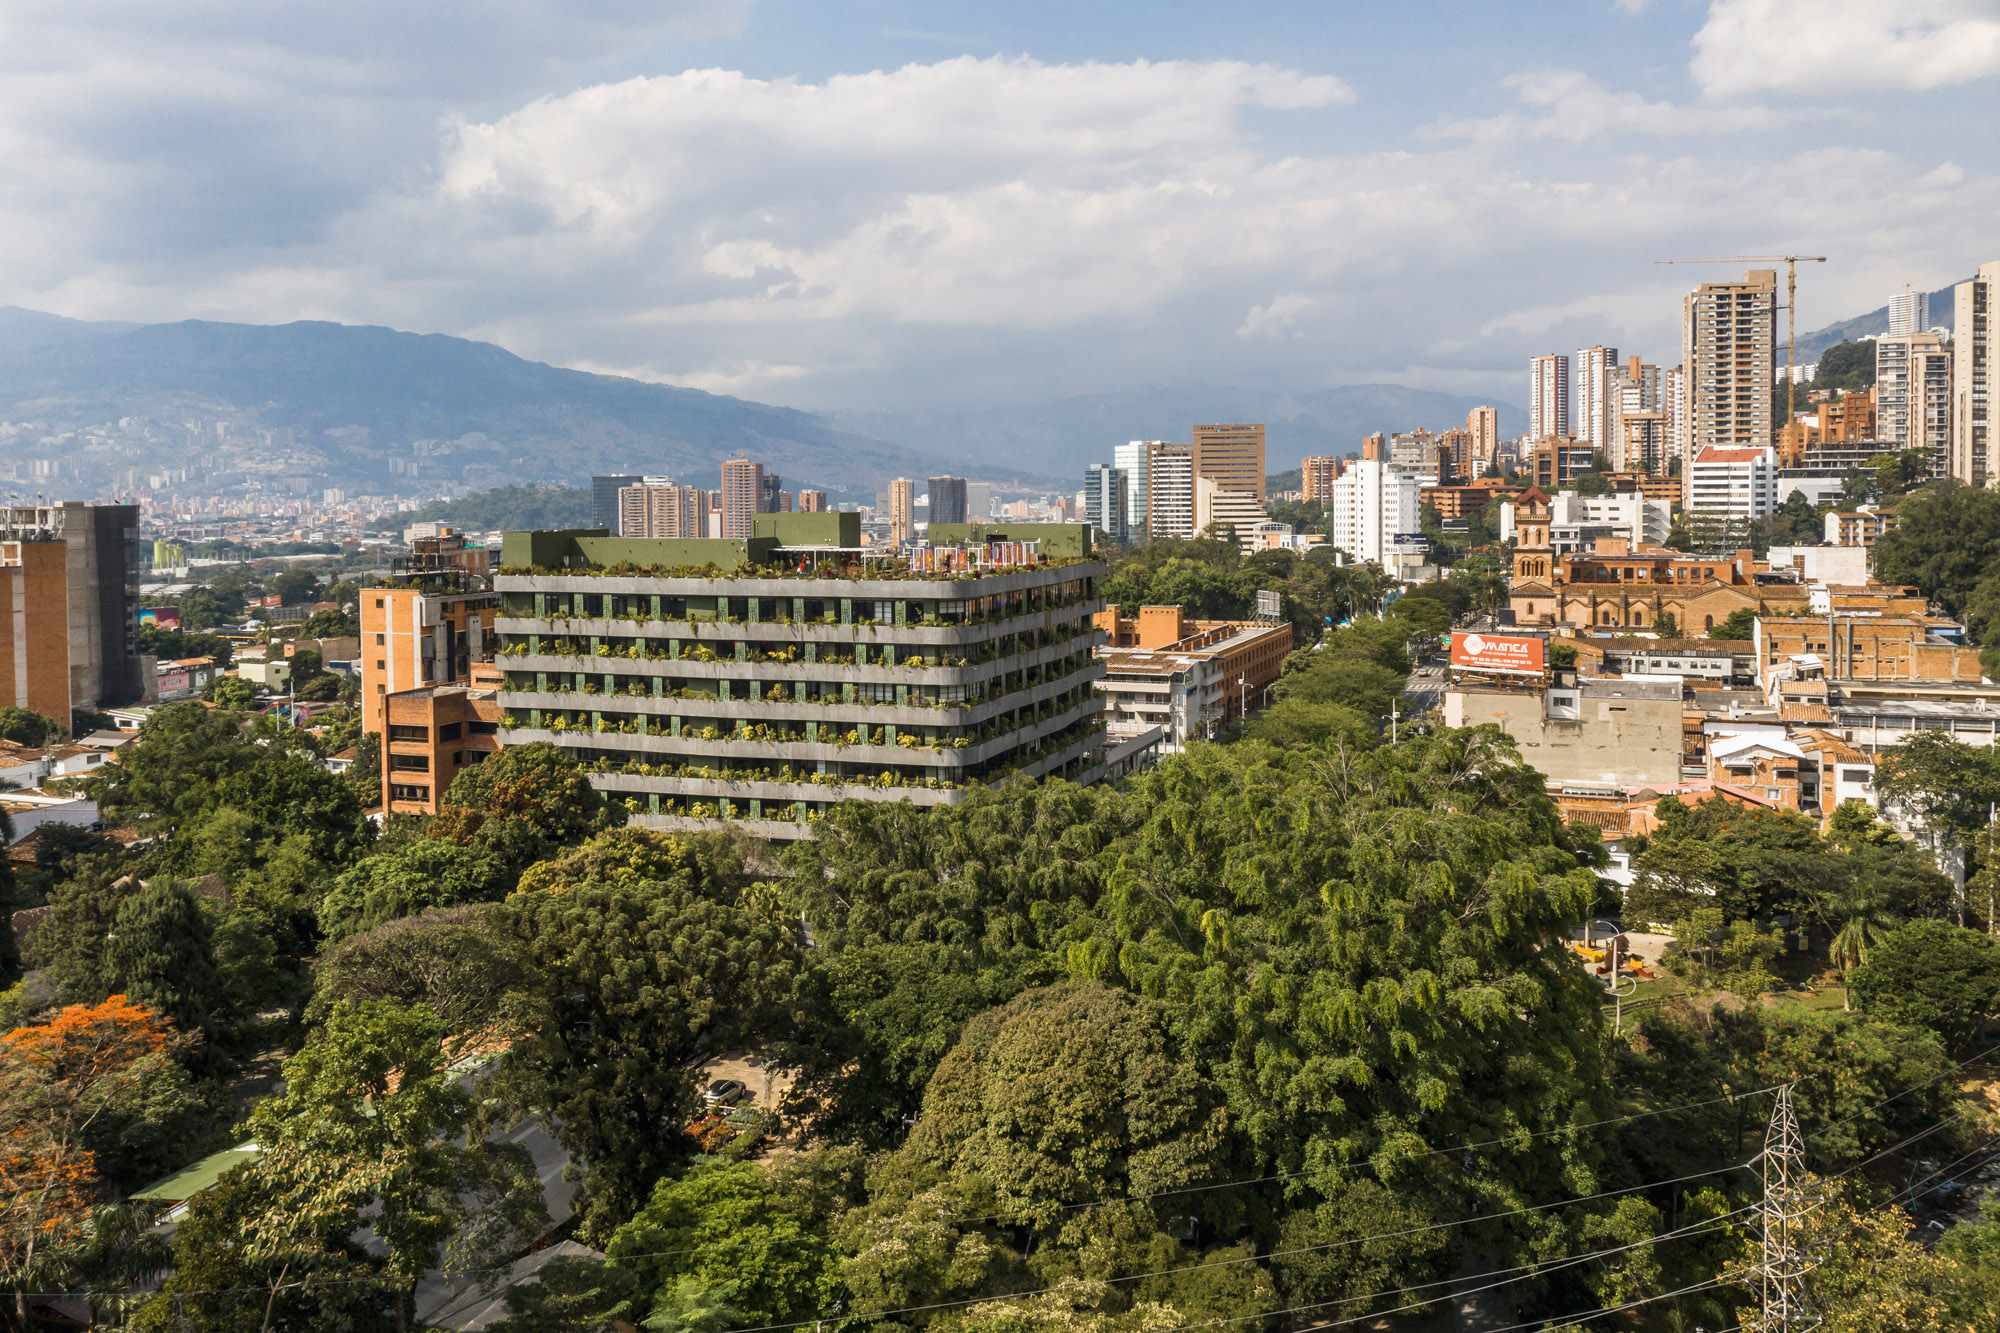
[(373, 409), (356, 398)]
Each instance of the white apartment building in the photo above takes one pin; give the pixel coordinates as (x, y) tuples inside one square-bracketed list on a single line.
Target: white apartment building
[(1169, 491), (1372, 503), (1548, 396), (1740, 483), (1972, 457), (1240, 511), (1577, 521), (1909, 312), (1913, 395), (1672, 403), (1592, 373), (1131, 460)]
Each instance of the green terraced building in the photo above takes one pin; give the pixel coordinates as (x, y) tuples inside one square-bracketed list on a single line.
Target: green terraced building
[(760, 680)]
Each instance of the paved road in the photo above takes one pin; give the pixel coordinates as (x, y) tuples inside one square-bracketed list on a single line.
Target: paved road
[(1425, 687)]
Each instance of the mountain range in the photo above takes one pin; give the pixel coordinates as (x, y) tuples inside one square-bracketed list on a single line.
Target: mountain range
[(305, 406)]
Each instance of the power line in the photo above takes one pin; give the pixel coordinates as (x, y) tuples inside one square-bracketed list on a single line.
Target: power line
[(1526, 1270), (1369, 1163), (1827, 1129), (1273, 1254)]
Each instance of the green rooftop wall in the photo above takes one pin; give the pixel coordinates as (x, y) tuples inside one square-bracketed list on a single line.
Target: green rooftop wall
[(1060, 541), (823, 529)]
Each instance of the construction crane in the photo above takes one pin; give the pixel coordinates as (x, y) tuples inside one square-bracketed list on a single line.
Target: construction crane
[(1791, 263)]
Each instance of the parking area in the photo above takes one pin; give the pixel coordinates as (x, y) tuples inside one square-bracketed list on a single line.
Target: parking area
[(767, 1087)]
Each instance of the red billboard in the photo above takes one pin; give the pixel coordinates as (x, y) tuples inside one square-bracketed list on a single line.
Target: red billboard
[(1518, 653)]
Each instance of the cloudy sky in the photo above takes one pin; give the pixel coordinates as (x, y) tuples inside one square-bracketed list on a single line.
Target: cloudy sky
[(891, 203)]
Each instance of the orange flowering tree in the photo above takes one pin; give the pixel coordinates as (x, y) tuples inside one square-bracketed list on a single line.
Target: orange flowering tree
[(57, 1079)]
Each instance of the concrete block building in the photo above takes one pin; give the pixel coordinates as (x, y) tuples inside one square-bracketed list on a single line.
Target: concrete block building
[(762, 680)]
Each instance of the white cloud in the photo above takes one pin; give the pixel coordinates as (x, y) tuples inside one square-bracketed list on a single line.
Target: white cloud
[(1834, 48), (965, 230), (1570, 106), (1280, 312)]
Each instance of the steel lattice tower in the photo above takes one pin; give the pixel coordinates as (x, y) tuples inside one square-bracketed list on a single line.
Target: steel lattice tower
[(1788, 1200)]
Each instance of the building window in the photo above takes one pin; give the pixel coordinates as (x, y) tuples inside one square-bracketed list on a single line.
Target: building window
[(450, 731), (378, 643), (399, 732), (378, 603), (410, 763), (400, 792), (478, 728)]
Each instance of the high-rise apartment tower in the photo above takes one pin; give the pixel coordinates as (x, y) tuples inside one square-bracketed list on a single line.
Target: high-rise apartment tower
[(1729, 334), (1972, 349), (902, 510), (1106, 506), (1548, 396), (742, 496), (1593, 370), (1909, 312)]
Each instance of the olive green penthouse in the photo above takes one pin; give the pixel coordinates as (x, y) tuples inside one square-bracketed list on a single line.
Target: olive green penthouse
[(761, 680)]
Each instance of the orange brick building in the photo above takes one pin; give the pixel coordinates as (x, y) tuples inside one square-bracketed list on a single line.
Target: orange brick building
[(1868, 647), (434, 734), (1317, 475), (412, 638), (34, 645)]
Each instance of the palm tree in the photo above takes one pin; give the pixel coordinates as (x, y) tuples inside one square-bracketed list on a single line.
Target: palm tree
[(1864, 919)]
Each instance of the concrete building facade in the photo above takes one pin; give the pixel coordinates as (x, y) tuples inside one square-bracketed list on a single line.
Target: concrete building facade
[(768, 694), (1972, 383), (1590, 389), (1316, 476), (1733, 483), (416, 638), (1599, 733), (1483, 425), (101, 590), (1187, 677), (1548, 397), (1913, 396), (1372, 503), (1106, 503), (742, 496), (902, 510), (1169, 492), (659, 508), (1231, 456), (1728, 341)]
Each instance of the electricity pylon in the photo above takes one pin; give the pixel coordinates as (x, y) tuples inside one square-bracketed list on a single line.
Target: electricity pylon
[(1788, 1200)]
